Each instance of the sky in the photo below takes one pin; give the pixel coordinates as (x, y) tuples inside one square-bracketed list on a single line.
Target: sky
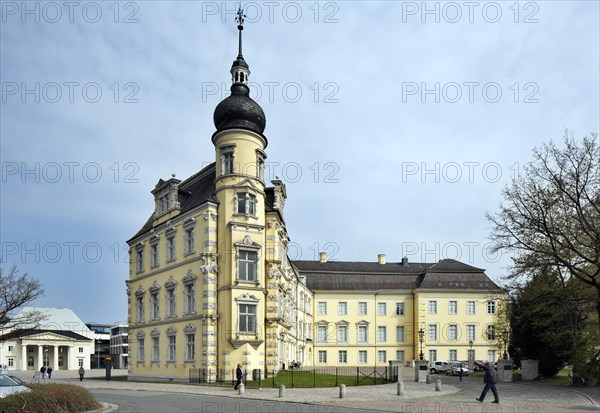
[(395, 125)]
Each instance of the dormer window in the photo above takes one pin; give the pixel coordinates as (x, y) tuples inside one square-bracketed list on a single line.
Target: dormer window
[(246, 203)]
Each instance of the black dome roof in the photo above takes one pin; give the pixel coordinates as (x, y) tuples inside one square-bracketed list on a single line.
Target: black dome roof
[(239, 111)]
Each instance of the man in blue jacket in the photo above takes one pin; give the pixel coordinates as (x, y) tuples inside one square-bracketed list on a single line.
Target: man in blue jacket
[(239, 373), (490, 383)]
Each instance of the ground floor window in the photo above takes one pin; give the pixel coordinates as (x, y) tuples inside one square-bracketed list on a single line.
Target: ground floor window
[(382, 356), (80, 362), (400, 355), (11, 362), (362, 356), (432, 355), (322, 356)]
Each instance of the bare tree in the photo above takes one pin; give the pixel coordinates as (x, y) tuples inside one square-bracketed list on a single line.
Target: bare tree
[(15, 292), (551, 213)]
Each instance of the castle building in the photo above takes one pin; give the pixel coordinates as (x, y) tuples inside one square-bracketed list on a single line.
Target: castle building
[(211, 285)]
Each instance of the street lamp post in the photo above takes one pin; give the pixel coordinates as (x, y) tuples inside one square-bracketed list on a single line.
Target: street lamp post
[(421, 334), (471, 358), (505, 335)]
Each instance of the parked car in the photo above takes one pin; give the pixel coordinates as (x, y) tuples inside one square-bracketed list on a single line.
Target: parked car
[(18, 380), (456, 367), (9, 386), (438, 367)]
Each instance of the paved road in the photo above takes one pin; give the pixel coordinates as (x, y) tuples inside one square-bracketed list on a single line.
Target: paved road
[(456, 396)]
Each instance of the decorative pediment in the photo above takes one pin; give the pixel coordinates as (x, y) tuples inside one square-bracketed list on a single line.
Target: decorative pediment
[(342, 323), (170, 227), (190, 328), (140, 291), (170, 283), (247, 184), (247, 298), (190, 222), (189, 278), (155, 287), (139, 246), (239, 343), (140, 334), (363, 322), (247, 243), (171, 331), (155, 333)]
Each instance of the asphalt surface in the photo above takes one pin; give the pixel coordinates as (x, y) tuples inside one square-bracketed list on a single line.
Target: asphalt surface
[(455, 395)]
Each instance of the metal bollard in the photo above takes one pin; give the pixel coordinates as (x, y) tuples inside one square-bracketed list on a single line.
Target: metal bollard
[(281, 390), (438, 385), (241, 388), (428, 379), (401, 391), (342, 391)]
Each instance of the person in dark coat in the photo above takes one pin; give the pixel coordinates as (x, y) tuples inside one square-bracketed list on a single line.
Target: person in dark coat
[(490, 383), (43, 371), (49, 371), (81, 373), (239, 373)]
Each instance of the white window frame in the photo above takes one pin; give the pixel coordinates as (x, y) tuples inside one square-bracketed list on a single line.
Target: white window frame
[(399, 308), (140, 316), (381, 309), (491, 307), (362, 308), (154, 305), (362, 357), (432, 355), (171, 302), (342, 356), (139, 261), (141, 351), (490, 332), (342, 333), (155, 349), (249, 318), (432, 307), (381, 334), (432, 333), (245, 203), (154, 255), (452, 332), (189, 243), (452, 355), (190, 346), (471, 332), (342, 308), (452, 307), (400, 334), (172, 348), (322, 308), (470, 307), (400, 356), (321, 333), (381, 356), (362, 328), (171, 251), (189, 290), (322, 356), (247, 265), (227, 160)]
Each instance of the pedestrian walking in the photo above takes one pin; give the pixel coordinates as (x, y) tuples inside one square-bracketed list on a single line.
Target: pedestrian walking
[(43, 371), (489, 379), (81, 373), (239, 373), (49, 371)]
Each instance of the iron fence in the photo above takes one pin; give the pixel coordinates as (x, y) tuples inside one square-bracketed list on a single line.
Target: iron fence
[(304, 377)]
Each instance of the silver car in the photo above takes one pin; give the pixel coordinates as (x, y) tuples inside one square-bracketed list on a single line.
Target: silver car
[(9, 386)]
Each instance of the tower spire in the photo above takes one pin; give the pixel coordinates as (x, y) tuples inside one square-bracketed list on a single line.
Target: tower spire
[(240, 69)]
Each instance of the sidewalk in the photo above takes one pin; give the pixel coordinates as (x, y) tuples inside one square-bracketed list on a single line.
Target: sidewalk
[(420, 397)]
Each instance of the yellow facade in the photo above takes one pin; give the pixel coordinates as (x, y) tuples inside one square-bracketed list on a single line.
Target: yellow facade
[(210, 283)]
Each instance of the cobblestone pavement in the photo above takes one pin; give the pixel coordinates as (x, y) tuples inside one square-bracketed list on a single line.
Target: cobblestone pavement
[(455, 396)]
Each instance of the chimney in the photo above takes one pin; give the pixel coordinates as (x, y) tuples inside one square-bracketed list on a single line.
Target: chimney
[(381, 258), (404, 262), (323, 257)]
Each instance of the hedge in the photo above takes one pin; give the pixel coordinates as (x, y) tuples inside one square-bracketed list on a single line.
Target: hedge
[(50, 398)]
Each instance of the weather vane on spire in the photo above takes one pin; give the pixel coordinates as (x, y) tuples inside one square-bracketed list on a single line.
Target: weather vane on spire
[(240, 18)]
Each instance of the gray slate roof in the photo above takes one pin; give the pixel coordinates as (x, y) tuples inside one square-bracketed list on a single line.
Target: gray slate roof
[(371, 276)]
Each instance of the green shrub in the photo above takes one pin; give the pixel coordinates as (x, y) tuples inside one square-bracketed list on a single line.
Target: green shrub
[(50, 398)]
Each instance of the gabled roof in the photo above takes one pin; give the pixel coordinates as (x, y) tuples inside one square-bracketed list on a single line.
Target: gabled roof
[(27, 333), (372, 276), (193, 192), (56, 319)]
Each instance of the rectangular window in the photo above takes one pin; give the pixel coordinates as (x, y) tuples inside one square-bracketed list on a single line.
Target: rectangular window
[(246, 203), (470, 307), (491, 356), (471, 355), (381, 309), (381, 334), (382, 356), (399, 308), (321, 333), (164, 203), (491, 332), (323, 356), (432, 332), (343, 357), (342, 334), (362, 334), (452, 355), (362, 308), (247, 318), (140, 309), (432, 355), (189, 241), (171, 303), (470, 332), (342, 308), (452, 307), (400, 334), (141, 355), (491, 307), (190, 300), (227, 162), (322, 308), (400, 355), (247, 266), (11, 362), (172, 348), (362, 356), (190, 346), (170, 249), (453, 332), (155, 349), (11, 348), (154, 255), (432, 307), (81, 349), (154, 306), (139, 263), (80, 362)]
